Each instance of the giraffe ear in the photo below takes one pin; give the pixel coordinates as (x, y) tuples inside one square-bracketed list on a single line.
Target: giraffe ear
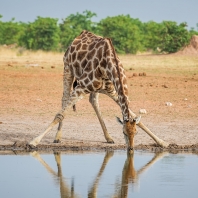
[(119, 120), (137, 119)]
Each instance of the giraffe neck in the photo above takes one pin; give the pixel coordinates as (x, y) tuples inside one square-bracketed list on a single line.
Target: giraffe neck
[(120, 84)]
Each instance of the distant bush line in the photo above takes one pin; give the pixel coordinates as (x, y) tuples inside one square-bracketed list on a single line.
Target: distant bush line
[(128, 35)]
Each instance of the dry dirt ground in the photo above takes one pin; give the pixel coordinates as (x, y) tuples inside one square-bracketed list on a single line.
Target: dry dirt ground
[(31, 91)]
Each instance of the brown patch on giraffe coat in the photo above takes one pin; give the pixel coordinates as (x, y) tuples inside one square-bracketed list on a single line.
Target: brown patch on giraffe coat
[(78, 47), (99, 53), (103, 63), (95, 63), (84, 63), (90, 75), (84, 47), (100, 43), (86, 81), (90, 87), (73, 56), (81, 55), (77, 69), (72, 48), (88, 67), (91, 46), (90, 55)]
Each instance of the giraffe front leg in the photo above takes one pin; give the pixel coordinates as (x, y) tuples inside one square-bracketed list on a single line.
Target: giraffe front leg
[(58, 118), (93, 99), (36, 140)]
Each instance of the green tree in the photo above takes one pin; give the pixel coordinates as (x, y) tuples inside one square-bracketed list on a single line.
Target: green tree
[(10, 31), (173, 36), (43, 34), (124, 31), (152, 35), (73, 25)]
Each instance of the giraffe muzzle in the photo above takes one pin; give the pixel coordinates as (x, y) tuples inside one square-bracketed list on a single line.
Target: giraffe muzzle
[(130, 150)]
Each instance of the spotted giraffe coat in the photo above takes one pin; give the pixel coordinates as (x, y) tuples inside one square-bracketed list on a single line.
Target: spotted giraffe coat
[(94, 64)]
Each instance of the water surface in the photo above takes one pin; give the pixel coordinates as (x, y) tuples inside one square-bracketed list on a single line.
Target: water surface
[(99, 174)]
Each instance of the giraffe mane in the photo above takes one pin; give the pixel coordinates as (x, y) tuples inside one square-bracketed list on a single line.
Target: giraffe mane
[(118, 71)]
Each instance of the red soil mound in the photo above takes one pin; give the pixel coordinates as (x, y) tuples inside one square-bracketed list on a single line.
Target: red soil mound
[(192, 48)]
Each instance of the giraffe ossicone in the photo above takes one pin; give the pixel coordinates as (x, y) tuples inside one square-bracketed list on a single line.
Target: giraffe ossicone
[(91, 61)]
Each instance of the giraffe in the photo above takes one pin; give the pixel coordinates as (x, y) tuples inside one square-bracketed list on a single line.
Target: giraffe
[(91, 62)]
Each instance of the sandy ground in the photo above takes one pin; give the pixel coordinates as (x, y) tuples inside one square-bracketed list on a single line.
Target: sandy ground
[(31, 91)]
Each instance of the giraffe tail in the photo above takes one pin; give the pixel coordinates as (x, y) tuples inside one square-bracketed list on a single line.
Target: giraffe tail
[(75, 83)]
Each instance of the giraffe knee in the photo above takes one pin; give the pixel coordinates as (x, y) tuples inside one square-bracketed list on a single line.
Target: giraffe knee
[(58, 118)]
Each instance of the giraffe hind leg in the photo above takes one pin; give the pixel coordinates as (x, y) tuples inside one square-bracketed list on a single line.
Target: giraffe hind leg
[(76, 95), (74, 85), (59, 133), (68, 84)]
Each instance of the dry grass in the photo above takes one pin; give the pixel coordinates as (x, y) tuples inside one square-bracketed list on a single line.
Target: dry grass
[(156, 64), (21, 57), (160, 64)]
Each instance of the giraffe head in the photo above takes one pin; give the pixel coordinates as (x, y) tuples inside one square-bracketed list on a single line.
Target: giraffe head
[(129, 131)]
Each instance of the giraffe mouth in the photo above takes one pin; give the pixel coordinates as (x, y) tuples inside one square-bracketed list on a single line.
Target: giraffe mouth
[(130, 149)]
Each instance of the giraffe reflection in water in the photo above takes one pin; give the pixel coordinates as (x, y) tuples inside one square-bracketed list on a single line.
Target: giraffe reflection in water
[(129, 175)]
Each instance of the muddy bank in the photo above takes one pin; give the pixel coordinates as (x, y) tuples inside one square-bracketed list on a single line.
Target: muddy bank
[(24, 146)]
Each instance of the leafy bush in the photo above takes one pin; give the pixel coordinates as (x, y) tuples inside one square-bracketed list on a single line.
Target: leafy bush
[(124, 31), (43, 34), (173, 36), (10, 31), (128, 35)]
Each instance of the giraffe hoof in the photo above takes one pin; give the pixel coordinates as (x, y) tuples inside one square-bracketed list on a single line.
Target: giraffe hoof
[(57, 141), (30, 147), (110, 141)]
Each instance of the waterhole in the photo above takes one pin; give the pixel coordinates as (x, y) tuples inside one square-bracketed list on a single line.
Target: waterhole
[(98, 174)]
